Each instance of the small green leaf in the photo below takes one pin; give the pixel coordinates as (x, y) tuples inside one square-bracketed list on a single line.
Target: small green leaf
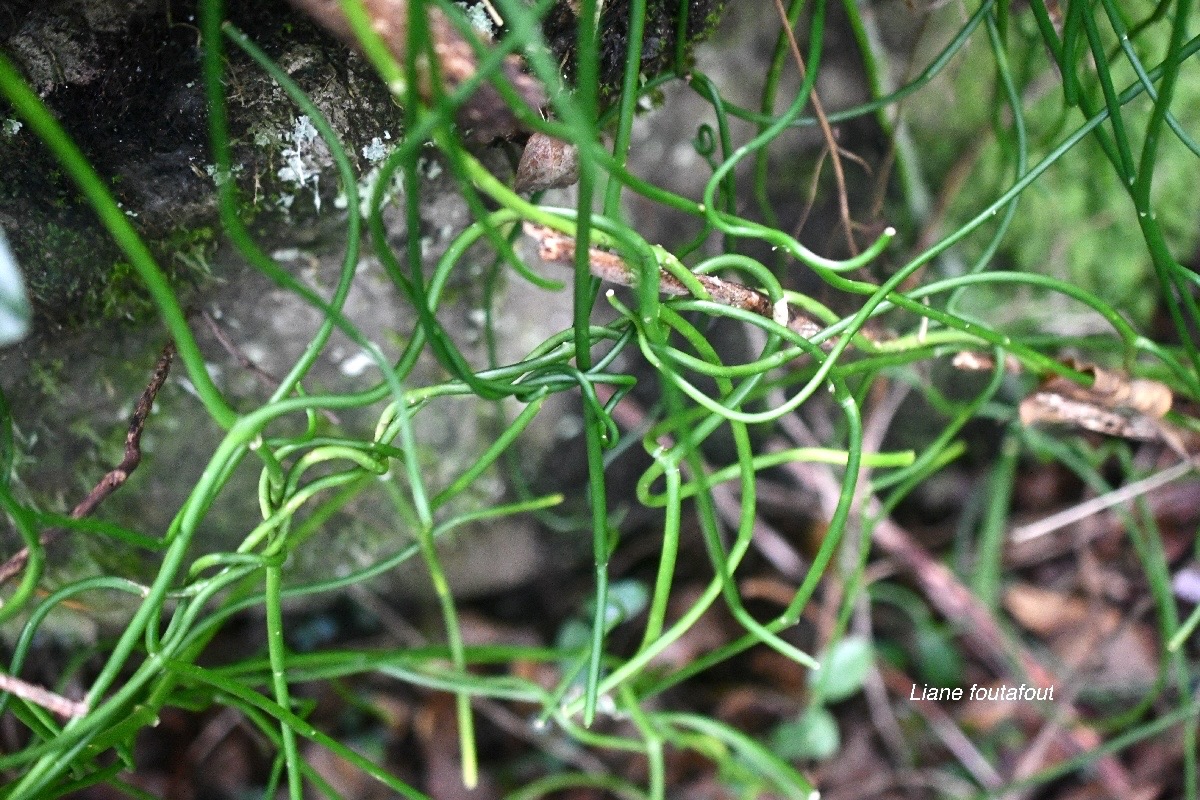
[(814, 735), (939, 663), (14, 307), (626, 599), (574, 635), (843, 669)]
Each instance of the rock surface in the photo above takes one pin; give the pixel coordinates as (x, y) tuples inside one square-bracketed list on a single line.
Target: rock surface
[(124, 78)]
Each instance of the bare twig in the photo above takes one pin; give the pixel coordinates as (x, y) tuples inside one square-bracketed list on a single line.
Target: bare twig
[(945, 728), (947, 594), (835, 151), (55, 703), (265, 378), (1087, 508), (887, 398), (772, 544), (133, 439), (500, 715), (485, 113), (115, 477), (558, 248)]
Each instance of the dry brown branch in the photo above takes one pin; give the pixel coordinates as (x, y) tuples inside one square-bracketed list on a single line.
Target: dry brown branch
[(133, 439), (245, 362), (55, 703), (1095, 505), (485, 113), (558, 248), (954, 601), (115, 477), (945, 728)]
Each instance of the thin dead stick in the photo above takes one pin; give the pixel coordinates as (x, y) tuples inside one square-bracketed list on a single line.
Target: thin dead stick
[(133, 439), (769, 542), (810, 200), (772, 544), (498, 714), (886, 399), (1114, 404), (117, 476), (955, 602), (55, 703), (265, 378), (485, 112), (1081, 511), (945, 727), (826, 131)]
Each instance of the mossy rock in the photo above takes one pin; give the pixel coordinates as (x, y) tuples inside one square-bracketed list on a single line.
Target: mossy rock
[(131, 97), (72, 385)]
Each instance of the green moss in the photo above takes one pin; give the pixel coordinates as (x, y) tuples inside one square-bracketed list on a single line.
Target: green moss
[(77, 278), (140, 122), (1077, 221), (45, 376)]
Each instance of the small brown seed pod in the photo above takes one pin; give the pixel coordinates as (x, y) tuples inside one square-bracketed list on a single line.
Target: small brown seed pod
[(546, 163)]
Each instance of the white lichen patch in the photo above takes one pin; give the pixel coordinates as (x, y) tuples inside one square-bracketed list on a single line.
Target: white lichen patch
[(11, 127), (222, 176), (779, 312), (376, 153), (356, 364), (477, 317), (264, 136), (304, 156), (479, 17), (429, 168)]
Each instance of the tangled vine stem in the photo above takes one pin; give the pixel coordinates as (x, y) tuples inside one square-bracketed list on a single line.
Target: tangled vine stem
[(434, 64), (558, 248)]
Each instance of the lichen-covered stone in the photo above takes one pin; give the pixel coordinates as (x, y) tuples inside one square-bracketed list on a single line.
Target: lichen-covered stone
[(124, 80), (123, 76)]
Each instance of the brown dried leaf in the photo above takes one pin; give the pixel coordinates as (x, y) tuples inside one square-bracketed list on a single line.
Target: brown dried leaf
[(1049, 613), (970, 361), (1114, 404), (546, 163), (1053, 408), (1113, 390), (1091, 636)]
